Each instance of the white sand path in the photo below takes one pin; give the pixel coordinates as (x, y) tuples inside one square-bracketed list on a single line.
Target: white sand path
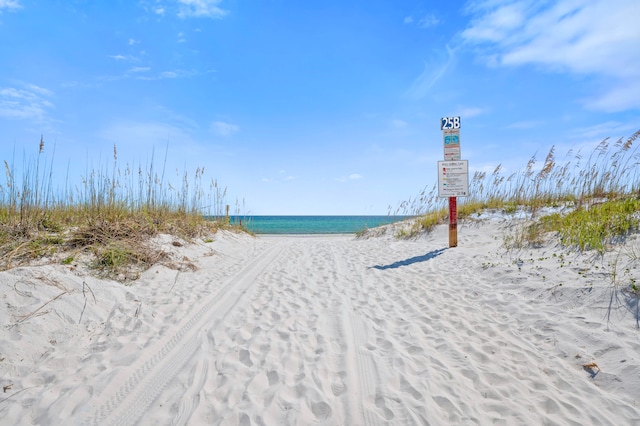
[(297, 330)]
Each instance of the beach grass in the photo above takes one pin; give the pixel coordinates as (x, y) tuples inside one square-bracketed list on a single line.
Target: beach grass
[(589, 202), (107, 219)]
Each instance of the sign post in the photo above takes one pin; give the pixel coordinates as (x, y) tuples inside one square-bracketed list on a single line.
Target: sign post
[(453, 222), (453, 173)]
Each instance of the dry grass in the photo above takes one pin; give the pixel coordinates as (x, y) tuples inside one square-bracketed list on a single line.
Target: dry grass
[(109, 218)]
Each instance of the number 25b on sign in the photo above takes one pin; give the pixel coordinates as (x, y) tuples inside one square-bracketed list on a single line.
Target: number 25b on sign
[(449, 123)]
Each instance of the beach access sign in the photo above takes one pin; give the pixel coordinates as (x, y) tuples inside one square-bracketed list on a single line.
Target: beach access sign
[(451, 144), (450, 127), (453, 178)]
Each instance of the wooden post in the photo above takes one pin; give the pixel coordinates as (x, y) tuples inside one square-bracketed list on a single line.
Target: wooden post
[(227, 218), (453, 222)]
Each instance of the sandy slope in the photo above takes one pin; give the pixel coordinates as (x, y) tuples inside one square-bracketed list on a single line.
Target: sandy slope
[(325, 330)]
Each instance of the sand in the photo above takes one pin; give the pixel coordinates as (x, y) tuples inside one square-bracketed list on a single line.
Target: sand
[(331, 330)]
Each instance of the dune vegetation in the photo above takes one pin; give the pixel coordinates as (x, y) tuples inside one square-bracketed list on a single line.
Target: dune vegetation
[(581, 203), (108, 219), (590, 202)]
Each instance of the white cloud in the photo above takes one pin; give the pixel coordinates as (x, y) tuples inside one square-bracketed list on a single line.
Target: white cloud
[(594, 37), (430, 75), (222, 128), (623, 97), (469, 112), (131, 42), (124, 58), (353, 176), (39, 90), (600, 131), (165, 74), (139, 69), (200, 8), (28, 103), (10, 4), (142, 73), (283, 177), (496, 24), (74, 84), (428, 21), (159, 10), (424, 22), (396, 122), (530, 124)]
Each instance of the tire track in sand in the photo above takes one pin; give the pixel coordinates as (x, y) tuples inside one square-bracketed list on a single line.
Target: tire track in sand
[(362, 372), (136, 388)]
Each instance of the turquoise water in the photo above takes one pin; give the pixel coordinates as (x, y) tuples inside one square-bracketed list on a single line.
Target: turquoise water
[(312, 224)]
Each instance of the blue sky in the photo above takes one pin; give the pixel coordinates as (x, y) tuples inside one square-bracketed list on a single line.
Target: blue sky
[(314, 107)]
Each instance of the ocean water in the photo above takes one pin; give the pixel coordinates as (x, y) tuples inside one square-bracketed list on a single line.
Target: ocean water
[(312, 224)]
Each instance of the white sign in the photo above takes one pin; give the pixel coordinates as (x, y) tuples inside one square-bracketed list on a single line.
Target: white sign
[(452, 153), (453, 178), (451, 144)]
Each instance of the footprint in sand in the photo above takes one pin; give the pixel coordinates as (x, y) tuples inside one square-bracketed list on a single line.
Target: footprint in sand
[(321, 410), (386, 413), (283, 335), (244, 420), (415, 350), (273, 378), (245, 357), (384, 344), (405, 386), (338, 387)]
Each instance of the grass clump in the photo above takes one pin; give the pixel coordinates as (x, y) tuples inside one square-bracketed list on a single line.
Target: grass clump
[(110, 217), (595, 227), (427, 222)]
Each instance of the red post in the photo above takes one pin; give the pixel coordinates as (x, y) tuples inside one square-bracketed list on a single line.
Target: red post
[(453, 222)]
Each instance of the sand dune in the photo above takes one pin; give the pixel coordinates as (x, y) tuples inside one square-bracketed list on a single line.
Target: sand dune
[(333, 330)]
